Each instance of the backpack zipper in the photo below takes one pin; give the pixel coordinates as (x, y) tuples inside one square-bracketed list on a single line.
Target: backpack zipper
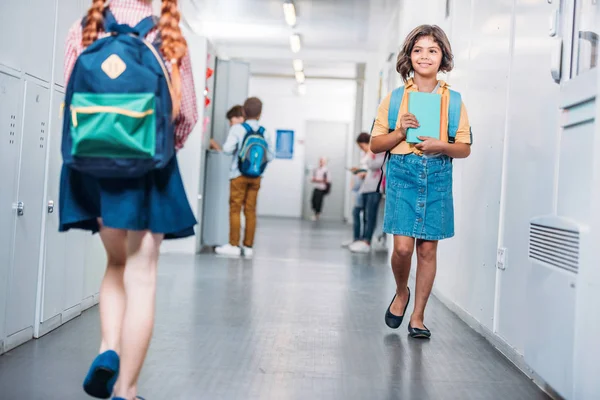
[(107, 109)]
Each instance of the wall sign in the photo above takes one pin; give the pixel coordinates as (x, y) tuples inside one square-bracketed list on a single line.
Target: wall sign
[(284, 146)]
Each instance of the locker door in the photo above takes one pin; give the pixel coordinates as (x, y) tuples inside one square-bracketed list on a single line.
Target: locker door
[(38, 37), (68, 12), (11, 30), (10, 141), (55, 243), (23, 280)]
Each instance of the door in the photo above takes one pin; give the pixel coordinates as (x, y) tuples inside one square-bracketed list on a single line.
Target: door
[(10, 142), (22, 294), (55, 243), (330, 140)]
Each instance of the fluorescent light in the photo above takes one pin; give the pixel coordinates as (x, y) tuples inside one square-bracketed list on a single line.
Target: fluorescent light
[(302, 89), (298, 65), (300, 77), (289, 11), (295, 43)]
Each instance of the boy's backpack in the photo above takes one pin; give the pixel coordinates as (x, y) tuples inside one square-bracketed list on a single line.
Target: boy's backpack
[(327, 185), (454, 108), (252, 156), (118, 118)]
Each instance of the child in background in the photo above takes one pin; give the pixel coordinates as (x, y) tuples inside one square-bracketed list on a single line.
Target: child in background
[(243, 190), (320, 181), (235, 116)]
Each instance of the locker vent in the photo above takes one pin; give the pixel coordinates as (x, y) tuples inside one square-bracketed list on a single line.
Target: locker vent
[(554, 246)]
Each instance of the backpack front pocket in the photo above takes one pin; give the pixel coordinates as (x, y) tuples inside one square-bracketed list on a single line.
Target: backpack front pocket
[(113, 125)]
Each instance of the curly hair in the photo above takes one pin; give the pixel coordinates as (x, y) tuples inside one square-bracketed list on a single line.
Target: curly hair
[(404, 64), (173, 46)]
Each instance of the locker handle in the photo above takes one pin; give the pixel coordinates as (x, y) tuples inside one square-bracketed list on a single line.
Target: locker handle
[(50, 207), (20, 208)]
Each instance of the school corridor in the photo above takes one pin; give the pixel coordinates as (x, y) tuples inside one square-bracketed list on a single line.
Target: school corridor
[(302, 320)]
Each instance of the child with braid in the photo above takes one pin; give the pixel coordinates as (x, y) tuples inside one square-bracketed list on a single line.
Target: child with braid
[(132, 214)]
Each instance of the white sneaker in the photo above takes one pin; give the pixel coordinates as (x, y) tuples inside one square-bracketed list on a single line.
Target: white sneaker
[(248, 252), (347, 243), (360, 247), (228, 250)]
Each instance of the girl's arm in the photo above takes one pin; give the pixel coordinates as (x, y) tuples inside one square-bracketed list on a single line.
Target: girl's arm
[(383, 143), (457, 150)]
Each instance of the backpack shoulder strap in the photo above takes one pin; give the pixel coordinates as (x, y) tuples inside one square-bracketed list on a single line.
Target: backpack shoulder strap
[(454, 108), (247, 127), (261, 131), (144, 27), (394, 109)]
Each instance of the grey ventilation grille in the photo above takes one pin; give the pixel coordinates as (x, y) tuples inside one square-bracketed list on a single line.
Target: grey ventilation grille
[(554, 246)]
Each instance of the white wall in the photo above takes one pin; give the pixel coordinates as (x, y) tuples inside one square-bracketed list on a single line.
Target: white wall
[(191, 157), (328, 100)]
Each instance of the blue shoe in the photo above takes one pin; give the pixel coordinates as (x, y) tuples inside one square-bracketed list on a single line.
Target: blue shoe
[(394, 321), (102, 375), (120, 398)]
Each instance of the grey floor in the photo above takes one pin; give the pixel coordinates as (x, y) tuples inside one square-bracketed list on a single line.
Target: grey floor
[(303, 320)]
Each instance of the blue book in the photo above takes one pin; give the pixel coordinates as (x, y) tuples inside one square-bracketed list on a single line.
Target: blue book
[(427, 108)]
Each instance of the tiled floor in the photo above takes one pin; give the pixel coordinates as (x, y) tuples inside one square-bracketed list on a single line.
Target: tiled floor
[(303, 320)]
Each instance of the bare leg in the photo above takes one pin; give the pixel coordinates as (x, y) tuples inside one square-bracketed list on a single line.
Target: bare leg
[(426, 269), (112, 290), (140, 286), (401, 259)]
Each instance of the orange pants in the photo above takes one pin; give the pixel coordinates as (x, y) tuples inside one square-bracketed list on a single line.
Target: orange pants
[(243, 192)]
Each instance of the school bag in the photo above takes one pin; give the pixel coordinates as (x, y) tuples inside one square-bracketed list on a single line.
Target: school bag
[(454, 108), (252, 156), (118, 111)]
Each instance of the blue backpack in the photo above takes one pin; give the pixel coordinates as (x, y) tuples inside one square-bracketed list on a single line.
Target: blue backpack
[(252, 157), (454, 108), (118, 115)]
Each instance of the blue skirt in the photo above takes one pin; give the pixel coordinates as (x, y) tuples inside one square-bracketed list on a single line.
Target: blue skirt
[(419, 201), (156, 202)]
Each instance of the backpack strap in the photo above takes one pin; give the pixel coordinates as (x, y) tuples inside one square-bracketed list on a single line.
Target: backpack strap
[(247, 127), (261, 131), (454, 108), (146, 25), (394, 109)]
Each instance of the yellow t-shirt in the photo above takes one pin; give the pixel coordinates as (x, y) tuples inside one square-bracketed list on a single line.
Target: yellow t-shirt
[(463, 134)]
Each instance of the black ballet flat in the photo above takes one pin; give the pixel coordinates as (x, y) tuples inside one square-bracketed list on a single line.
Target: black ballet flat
[(394, 321), (417, 333)]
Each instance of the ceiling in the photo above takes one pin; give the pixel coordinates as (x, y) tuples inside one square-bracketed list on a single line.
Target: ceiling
[(336, 34)]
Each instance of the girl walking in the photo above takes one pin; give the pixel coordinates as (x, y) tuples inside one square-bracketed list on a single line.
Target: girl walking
[(133, 215), (419, 205)]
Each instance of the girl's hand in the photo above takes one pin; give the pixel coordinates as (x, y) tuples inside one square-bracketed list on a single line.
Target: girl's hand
[(430, 145), (408, 120)]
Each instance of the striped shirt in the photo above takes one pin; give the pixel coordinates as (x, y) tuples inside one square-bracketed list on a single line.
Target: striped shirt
[(131, 12)]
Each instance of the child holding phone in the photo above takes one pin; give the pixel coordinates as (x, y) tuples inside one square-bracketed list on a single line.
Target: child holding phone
[(419, 205)]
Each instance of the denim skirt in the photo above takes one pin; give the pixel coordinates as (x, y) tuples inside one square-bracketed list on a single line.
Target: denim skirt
[(156, 202), (419, 201)]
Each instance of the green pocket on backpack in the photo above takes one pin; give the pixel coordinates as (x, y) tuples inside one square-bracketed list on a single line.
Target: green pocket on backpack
[(113, 125)]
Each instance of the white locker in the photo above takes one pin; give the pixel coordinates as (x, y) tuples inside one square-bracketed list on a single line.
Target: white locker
[(11, 30), (10, 141), (38, 36), (23, 278), (55, 243), (68, 12)]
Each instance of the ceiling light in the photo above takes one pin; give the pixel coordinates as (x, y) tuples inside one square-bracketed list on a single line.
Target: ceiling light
[(298, 65), (289, 11), (300, 77), (295, 43)]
